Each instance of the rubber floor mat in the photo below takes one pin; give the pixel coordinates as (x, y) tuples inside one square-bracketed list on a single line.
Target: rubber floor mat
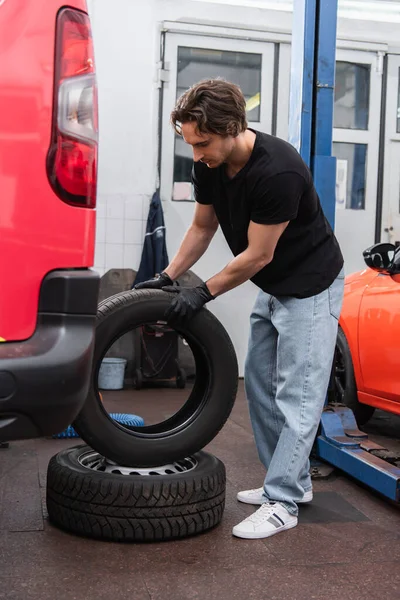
[(329, 507)]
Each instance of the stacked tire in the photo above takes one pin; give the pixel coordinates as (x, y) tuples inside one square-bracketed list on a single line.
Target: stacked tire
[(128, 496)]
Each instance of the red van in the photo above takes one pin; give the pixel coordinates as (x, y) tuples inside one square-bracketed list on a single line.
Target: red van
[(48, 156)]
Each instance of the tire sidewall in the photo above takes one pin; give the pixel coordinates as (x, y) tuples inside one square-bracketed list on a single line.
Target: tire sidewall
[(69, 459), (97, 429), (350, 392)]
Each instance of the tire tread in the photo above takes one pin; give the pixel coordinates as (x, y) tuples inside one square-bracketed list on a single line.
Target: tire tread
[(104, 507)]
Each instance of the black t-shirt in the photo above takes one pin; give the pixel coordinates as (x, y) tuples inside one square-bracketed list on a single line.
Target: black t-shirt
[(275, 186)]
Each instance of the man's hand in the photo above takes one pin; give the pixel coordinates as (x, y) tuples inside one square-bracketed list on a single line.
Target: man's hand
[(157, 283), (187, 303)]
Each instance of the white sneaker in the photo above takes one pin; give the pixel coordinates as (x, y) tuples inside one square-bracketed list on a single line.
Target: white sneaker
[(257, 497), (266, 521), (308, 496)]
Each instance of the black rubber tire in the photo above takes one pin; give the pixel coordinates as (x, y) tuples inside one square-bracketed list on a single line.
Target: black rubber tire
[(138, 382), (181, 379), (204, 413), (134, 508), (344, 364)]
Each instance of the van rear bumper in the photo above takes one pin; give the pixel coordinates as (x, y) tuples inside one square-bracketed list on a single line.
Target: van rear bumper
[(44, 380)]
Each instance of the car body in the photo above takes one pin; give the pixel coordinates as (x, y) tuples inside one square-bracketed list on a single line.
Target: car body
[(370, 328), (48, 149)]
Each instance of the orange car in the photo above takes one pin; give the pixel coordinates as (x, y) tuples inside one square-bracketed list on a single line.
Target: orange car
[(367, 362)]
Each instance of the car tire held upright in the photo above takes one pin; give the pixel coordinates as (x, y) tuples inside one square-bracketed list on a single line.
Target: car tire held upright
[(202, 416)]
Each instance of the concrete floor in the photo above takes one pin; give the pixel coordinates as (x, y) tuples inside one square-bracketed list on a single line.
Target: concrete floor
[(346, 546)]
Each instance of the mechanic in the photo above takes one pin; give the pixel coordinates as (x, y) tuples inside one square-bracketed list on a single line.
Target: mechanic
[(261, 193)]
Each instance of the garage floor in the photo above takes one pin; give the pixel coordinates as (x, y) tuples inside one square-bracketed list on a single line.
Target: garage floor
[(347, 545)]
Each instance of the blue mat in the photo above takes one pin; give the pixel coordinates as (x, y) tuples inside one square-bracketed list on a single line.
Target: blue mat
[(122, 418)]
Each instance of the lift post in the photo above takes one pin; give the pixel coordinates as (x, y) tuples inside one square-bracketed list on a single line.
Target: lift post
[(340, 443)]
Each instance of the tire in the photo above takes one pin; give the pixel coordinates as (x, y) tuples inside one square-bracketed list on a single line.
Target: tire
[(199, 419), (138, 382), (133, 508), (345, 382), (181, 379)]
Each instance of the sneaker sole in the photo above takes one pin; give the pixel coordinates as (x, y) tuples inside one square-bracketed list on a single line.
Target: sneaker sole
[(257, 503), (259, 536), (260, 503), (305, 501)]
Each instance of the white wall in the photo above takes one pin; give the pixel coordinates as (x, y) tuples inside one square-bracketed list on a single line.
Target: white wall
[(126, 54)]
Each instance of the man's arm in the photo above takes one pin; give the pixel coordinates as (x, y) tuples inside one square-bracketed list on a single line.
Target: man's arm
[(260, 251), (196, 240)]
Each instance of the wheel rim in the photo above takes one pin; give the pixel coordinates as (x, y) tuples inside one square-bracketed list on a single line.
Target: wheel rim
[(95, 462)]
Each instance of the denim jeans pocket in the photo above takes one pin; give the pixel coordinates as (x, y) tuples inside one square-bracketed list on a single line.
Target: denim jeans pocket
[(335, 295)]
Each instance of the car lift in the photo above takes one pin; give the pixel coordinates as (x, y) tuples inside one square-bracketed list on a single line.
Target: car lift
[(339, 443)]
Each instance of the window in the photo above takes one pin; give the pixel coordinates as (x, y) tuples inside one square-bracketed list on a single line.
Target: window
[(352, 83), (351, 174), (194, 64)]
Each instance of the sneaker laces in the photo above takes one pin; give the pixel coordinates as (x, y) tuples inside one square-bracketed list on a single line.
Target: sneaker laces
[(265, 511)]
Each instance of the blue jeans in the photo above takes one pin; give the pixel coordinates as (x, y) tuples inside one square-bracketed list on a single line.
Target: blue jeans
[(287, 372)]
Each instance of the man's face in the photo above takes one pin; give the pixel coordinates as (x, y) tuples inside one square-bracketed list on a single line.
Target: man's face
[(209, 148)]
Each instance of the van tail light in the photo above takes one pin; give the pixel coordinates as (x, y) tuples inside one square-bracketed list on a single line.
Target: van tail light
[(72, 156)]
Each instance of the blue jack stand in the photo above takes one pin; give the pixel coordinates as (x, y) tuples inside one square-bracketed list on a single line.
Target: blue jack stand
[(343, 445), (340, 442)]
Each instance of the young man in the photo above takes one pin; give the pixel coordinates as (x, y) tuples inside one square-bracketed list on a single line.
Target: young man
[(261, 193)]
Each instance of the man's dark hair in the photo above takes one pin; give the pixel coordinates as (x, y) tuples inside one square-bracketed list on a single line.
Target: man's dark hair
[(215, 105)]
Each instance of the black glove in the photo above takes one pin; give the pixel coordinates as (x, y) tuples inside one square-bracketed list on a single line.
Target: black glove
[(155, 284), (187, 303)]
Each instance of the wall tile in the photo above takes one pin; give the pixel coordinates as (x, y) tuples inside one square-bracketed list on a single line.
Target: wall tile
[(114, 256), (133, 208), (100, 255), (100, 230), (101, 210), (115, 231), (115, 207), (133, 232), (145, 206), (132, 256)]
